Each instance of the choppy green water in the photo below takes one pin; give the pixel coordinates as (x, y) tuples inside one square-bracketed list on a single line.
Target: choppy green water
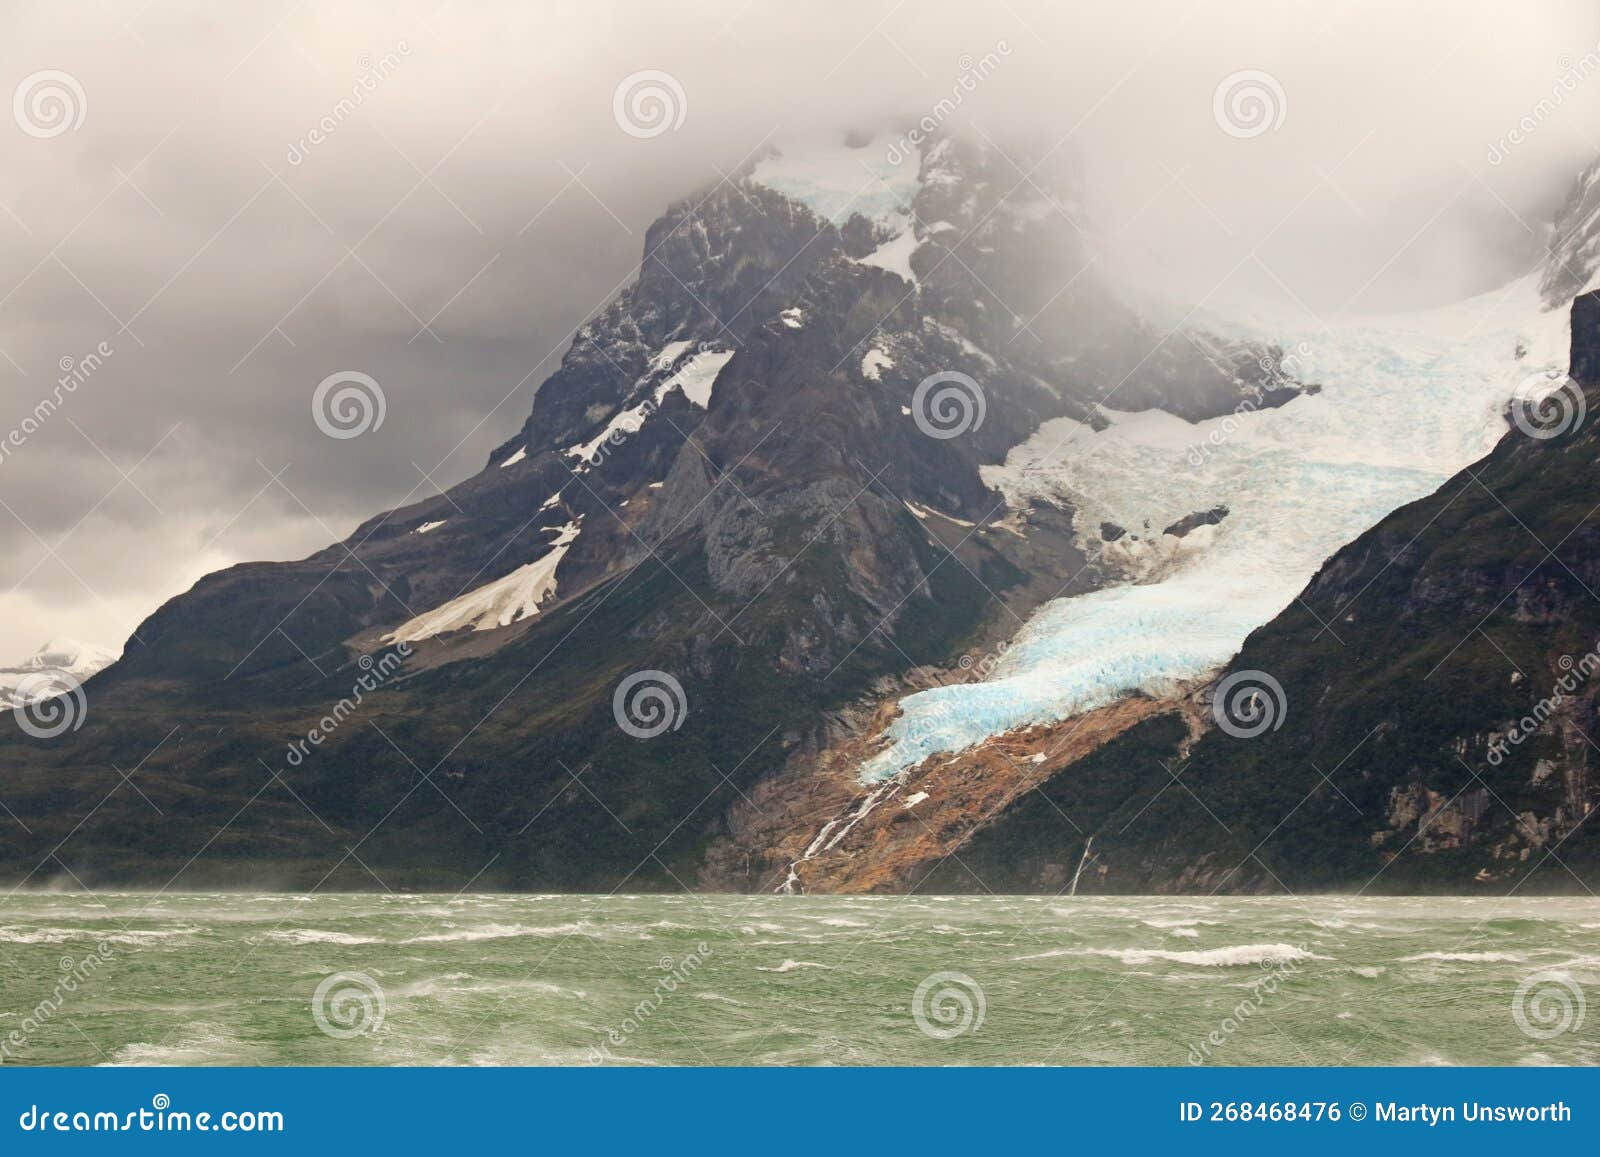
[(214, 979)]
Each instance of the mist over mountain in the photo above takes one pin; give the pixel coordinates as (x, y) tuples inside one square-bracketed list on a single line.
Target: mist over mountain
[(231, 264)]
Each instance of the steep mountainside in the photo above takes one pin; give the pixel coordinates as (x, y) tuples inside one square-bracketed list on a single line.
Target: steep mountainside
[(740, 485), (868, 541), (1423, 717)]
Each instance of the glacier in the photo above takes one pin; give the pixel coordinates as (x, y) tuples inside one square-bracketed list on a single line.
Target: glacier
[(1406, 402)]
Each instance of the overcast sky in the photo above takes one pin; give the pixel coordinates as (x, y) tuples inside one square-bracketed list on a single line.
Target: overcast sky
[(450, 231)]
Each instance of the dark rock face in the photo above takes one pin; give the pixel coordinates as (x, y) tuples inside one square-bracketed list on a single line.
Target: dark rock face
[(1575, 246), (1586, 340), (1196, 520), (759, 549)]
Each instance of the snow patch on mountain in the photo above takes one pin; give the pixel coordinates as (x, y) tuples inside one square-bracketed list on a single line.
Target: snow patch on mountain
[(895, 253), (695, 378), (428, 527), (874, 362), (1406, 403), (504, 601), (52, 670)]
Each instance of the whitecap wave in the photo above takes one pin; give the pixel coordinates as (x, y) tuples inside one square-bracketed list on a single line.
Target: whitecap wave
[(1233, 955), (317, 936), (1465, 958), (499, 932)]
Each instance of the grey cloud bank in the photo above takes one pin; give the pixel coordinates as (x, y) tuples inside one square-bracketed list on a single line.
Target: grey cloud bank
[(241, 202)]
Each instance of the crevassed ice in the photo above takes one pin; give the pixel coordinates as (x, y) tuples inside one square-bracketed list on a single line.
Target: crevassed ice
[(1407, 401)]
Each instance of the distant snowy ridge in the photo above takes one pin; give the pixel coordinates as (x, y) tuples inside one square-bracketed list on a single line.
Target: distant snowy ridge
[(52, 670)]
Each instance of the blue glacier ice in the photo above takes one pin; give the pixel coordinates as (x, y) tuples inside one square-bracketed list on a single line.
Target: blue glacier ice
[(1407, 401)]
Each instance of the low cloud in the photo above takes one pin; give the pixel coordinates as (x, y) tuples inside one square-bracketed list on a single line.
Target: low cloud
[(437, 195)]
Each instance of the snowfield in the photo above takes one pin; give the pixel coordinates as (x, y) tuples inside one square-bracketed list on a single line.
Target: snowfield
[(1407, 402), (504, 601)]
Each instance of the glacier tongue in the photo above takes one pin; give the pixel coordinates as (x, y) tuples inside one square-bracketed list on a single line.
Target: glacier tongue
[(1406, 403)]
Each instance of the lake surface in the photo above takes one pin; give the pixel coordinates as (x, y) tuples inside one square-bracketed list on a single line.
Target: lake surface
[(777, 980)]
